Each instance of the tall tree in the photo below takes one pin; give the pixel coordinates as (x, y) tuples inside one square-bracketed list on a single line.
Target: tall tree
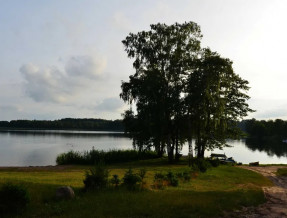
[(163, 59), (216, 98), (180, 91)]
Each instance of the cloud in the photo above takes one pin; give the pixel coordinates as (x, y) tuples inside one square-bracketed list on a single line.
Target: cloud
[(279, 113), (121, 22), (50, 84), (268, 108), (86, 66), (9, 112), (110, 104), (10, 108)]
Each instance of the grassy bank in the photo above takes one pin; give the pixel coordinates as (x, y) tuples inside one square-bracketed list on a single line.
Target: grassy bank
[(96, 156), (209, 194)]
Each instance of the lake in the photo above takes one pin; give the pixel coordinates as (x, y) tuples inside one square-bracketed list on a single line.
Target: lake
[(41, 147)]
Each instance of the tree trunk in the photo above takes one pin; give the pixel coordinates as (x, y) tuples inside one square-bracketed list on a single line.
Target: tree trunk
[(176, 148), (157, 146), (190, 151), (170, 149)]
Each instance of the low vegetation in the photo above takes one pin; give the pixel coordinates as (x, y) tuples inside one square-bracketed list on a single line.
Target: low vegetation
[(108, 157), (184, 193), (282, 172), (13, 199)]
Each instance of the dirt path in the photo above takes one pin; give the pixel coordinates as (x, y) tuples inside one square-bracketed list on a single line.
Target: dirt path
[(276, 205)]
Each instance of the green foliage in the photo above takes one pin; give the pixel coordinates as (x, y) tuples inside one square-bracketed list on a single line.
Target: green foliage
[(266, 136), (181, 91), (108, 157), (159, 179), (281, 172), (262, 129), (211, 194), (115, 180), (66, 123), (13, 199), (201, 164), (96, 178), (142, 173), (71, 157), (185, 175), (131, 180), (172, 179), (214, 162), (162, 58)]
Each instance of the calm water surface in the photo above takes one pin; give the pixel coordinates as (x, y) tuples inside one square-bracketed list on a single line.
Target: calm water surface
[(40, 148)]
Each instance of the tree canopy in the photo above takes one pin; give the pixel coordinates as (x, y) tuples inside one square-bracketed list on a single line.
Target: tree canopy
[(180, 90)]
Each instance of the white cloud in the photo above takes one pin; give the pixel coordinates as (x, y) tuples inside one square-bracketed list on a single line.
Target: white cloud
[(50, 84), (86, 66), (110, 105)]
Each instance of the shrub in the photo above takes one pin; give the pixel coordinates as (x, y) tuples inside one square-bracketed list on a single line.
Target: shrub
[(71, 157), (142, 174), (95, 156), (214, 162), (13, 199), (185, 175), (131, 180), (115, 180), (159, 179), (172, 179), (96, 178), (201, 164)]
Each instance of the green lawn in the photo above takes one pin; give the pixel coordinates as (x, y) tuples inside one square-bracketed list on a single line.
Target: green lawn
[(209, 194)]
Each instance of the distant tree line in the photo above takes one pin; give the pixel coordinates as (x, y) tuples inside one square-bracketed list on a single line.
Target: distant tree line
[(66, 123), (262, 129), (266, 135)]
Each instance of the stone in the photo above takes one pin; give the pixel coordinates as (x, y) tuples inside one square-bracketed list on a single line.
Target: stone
[(65, 192)]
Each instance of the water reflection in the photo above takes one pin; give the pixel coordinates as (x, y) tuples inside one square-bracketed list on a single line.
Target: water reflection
[(64, 133), (40, 148), (270, 146)]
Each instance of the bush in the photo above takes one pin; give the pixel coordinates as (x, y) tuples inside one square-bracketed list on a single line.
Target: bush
[(115, 180), (214, 162), (13, 199), (185, 175), (96, 178), (142, 173), (172, 179), (95, 156), (201, 164), (71, 157), (159, 179), (131, 180)]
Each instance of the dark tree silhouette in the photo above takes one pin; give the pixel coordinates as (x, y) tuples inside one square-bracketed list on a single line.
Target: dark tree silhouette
[(216, 99), (180, 91)]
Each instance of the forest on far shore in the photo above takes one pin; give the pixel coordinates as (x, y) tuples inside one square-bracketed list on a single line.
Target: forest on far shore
[(264, 129), (253, 128), (65, 124)]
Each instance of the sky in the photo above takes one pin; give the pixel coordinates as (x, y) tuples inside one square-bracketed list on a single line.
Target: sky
[(63, 58)]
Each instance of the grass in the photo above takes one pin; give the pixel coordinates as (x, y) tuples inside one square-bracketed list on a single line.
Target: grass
[(281, 172), (220, 189)]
